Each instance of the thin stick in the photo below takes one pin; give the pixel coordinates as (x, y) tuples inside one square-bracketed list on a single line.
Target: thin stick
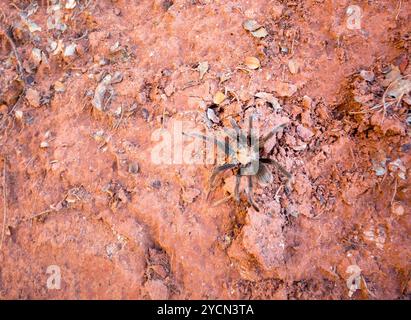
[(20, 68), (399, 9), (4, 205), (395, 191), (14, 48)]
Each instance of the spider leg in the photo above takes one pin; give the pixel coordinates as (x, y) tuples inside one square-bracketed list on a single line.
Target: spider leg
[(219, 169), (278, 166), (235, 126), (272, 133), (220, 144), (237, 186), (249, 192), (250, 129)]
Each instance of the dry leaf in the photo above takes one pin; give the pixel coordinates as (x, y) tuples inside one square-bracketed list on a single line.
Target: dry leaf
[(251, 25), (219, 98), (59, 86), (391, 76), (399, 88), (100, 92), (293, 66), (268, 97), (252, 63), (115, 47), (224, 77), (260, 33), (202, 68)]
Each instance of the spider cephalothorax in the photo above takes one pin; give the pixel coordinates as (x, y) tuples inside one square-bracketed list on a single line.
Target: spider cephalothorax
[(243, 157)]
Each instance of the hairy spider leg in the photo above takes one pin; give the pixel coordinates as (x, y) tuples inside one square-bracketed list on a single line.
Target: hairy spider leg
[(216, 171), (237, 186), (271, 133), (278, 166), (219, 143), (249, 192)]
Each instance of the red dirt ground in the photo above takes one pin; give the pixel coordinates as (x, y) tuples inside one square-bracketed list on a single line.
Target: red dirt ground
[(72, 195)]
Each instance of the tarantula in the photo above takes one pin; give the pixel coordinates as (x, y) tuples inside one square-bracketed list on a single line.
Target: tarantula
[(244, 159)]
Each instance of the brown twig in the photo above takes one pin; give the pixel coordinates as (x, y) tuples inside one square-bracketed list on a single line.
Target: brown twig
[(395, 191), (3, 231)]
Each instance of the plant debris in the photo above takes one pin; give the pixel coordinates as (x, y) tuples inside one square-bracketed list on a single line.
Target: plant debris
[(252, 63), (255, 28), (202, 68)]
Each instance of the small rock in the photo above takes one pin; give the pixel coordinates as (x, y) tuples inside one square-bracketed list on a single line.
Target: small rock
[(156, 289), (397, 209), (284, 89), (44, 145), (59, 86), (276, 11), (33, 97), (393, 125), (293, 66), (133, 168), (290, 140), (190, 194), (263, 239), (71, 4), (36, 56), (307, 102), (169, 90), (156, 184), (284, 50), (167, 4), (112, 249), (367, 75), (268, 97), (70, 50), (212, 116), (304, 133), (145, 114), (18, 114)]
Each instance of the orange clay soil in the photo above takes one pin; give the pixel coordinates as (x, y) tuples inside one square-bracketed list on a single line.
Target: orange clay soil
[(81, 192)]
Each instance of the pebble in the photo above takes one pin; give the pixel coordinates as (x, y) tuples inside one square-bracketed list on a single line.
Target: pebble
[(33, 97), (304, 133), (397, 209), (284, 89), (367, 75), (293, 66), (307, 102), (212, 116)]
